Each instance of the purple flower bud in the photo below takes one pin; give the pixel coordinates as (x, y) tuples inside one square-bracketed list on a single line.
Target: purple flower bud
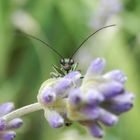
[(48, 96), (54, 118), (108, 118), (91, 113), (16, 123), (96, 67), (112, 89), (75, 97), (72, 75), (120, 108), (96, 130), (63, 86), (116, 75), (6, 108), (8, 135), (6, 126), (123, 98), (2, 124), (93, 97)]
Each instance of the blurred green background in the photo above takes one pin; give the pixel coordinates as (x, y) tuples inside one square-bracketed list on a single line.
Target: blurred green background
[(26, 63)]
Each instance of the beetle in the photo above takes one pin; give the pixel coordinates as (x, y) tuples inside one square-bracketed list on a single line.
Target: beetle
[(66, 64)]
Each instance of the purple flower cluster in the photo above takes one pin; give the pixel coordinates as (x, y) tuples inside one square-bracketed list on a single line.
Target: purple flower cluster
[(92, 101), (7, 128)]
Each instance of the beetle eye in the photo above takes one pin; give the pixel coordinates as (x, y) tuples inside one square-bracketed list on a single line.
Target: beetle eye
[(71, 61), (62, 61)]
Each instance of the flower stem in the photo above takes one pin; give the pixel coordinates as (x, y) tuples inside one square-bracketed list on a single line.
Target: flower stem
[(22, 111)]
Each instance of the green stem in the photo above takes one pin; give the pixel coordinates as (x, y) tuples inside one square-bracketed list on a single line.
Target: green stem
[(22, 111)]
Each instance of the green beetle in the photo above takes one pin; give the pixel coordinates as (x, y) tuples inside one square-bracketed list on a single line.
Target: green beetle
[(66, 64)]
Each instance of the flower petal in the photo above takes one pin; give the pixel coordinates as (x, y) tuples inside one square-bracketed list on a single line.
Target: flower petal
[(108, 118), (48, 96), (93, 97), (111, 89), (54, 118), (91, 113), (6, 108), (120, 107), (123, 98), (16, 123), (2, 124), (62, 87), (8, 135), (96, 130), (96, 67), (75, 97), (116, 75), (73, 75)]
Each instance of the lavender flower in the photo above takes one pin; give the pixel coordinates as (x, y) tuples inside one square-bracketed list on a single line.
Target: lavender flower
[(95, 100), (6, 128), (106, 9), (92, 100), (58, 90)]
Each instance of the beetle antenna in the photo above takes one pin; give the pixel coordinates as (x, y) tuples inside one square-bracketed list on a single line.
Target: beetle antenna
[(45, 43), (91, 36)]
